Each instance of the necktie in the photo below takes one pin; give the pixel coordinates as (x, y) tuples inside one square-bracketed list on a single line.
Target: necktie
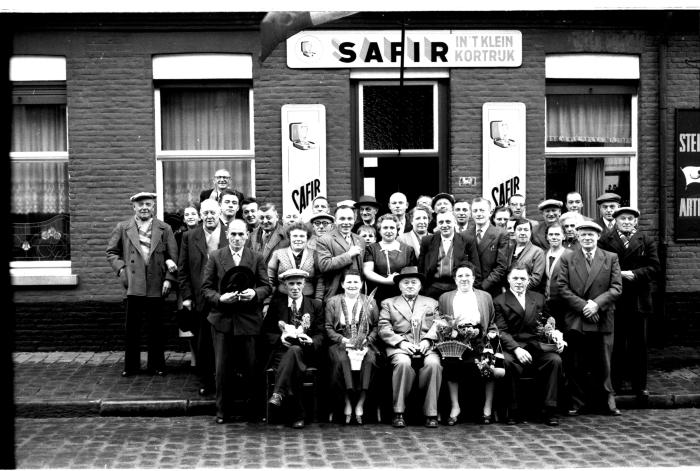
[(551, 262), (589, 259), (236, 258), (266, 237), (295, 313), (478, 236), (348, 239)]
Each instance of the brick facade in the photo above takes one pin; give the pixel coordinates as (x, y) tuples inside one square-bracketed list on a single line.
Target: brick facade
[(112, 135)]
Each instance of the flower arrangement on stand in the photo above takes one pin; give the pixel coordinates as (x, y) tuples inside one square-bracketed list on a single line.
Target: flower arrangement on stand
[(358, 333)]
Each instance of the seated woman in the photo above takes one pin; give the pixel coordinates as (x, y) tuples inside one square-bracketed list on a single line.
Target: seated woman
[(467, 305), (386, 258), (347, 316), (298, 255)]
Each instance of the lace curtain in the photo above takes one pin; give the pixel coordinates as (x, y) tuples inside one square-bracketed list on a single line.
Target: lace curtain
[(589, 121)]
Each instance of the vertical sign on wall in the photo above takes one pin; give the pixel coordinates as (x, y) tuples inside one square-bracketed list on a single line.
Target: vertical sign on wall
[(687, 204), (303, 157), (503, 141)]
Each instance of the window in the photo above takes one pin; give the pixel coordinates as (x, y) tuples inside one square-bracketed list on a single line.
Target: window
[(39, 163), (202, 124), (591, 127)]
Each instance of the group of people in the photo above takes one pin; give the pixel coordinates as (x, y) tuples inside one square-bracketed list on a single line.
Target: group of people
[(563, 300)]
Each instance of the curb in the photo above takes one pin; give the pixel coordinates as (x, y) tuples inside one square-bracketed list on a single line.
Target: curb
[(190, 407)]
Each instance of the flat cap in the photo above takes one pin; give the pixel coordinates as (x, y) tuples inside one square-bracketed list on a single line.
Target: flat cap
[(441, 196), (608, 198), (590, 225), (293, 273), (550, 203), (142, 196), (317, 216), (350, 203), (627, 210)]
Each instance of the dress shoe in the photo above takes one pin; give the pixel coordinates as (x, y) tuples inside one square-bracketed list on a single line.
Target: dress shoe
[(276, 399), (398, 421), (486, 419), (220, 420), (573, 412), (451, 421), (431, 422), (157, 372), (298, 424), (551, 419), (615, 412)]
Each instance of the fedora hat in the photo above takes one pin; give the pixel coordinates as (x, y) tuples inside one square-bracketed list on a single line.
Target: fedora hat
[(237, 278), (367, 200), (409, 272)]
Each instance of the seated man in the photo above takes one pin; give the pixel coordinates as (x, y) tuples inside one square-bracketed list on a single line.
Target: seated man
[(518, 317), (404, 325), (293, 332)]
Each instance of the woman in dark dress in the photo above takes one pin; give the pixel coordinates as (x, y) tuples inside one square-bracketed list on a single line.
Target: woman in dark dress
[(386, 258)]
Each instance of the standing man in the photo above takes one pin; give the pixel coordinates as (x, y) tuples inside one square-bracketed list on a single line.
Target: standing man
[(492, 243), (229, 206), (339, 250), (235, 283), (270, 234), (589, 284), (249, 212), (142, 251), (196, 248), (441, 252), (574, 204), (607, 204), (463, 214), (404, 326), (442, 203), (551, 210), (518, 312), (639, 265), (368, 208), (222, 181), (398, 205), (420, 218), (517, 206)]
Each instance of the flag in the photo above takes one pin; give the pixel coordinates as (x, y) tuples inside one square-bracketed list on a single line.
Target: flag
[(280, 25), (692, 175)]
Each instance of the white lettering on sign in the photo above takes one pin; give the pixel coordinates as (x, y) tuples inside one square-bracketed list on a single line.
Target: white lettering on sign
[(429, 48), (689, 207), (688, 142)]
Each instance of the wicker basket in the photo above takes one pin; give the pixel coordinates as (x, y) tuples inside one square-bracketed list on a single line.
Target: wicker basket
[(451, 349)]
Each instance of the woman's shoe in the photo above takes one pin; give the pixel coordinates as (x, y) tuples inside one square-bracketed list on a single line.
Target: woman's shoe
[(358, 418), (348, 418), (486, 419), (452, 420)]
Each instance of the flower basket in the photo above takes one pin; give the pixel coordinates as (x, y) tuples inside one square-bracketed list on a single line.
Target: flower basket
[(451, 349), (356, 356)]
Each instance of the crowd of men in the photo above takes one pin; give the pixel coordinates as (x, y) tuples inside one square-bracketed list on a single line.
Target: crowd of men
[(592, 274)]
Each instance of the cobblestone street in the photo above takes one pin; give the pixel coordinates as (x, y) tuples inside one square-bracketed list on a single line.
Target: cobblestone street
[(640, 438)]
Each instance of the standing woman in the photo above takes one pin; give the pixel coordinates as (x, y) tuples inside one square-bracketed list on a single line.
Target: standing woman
[(298, 255), (386, 258), (345, 315), (467, 305)]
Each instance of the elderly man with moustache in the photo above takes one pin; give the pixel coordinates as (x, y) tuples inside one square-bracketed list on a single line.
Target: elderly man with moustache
[(441, 252), (142, 252), (235, 317), (339, 251), (639, 265), (589, 284), (196, 248), (569, 222), (551, 210), (398, 205), (607, 205), (405, 323), (492, 245)]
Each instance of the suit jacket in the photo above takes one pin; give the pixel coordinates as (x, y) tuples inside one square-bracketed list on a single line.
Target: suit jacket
[(238, 318), (279, 311), (641, 257), (410, 239), (277, 240), (483, 301), (518, 326), (205, 194), (283, 260), (335, 319), (539, 236), (601, 222), (124, 251), (464, 248), (333, 260), (395, 322), (193, 258), (577, 285), (533, 258), (493, 257)]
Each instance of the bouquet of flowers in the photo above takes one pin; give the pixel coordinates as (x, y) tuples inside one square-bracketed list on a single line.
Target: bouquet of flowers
[(490, 364), (455, 337), (358, 333), (550, 338)]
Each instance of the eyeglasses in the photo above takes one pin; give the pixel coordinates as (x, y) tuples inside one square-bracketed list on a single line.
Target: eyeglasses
[(221, 177), (321, 223)]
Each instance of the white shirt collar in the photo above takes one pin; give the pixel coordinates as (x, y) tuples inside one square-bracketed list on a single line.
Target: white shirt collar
[(290, 300)]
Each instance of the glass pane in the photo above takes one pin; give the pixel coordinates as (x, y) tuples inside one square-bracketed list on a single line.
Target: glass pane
[(39, 128), (589, 121), (184, 180), (205, 119), (398, 117)]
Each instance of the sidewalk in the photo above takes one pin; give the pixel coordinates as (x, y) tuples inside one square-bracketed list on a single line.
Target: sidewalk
[(58, 384)]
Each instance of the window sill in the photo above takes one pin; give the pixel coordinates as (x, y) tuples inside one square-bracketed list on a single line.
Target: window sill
[(42, 274)]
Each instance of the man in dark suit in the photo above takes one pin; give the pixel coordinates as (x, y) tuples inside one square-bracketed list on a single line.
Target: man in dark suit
[(440, 253), (222, 181), (492, 243), (607, 204), (519, 319), (589, 284), (196, 247), (551, 210), (143, 253), (338, 251), (293, 332), (639, 265), (235, 315), (270, 234)]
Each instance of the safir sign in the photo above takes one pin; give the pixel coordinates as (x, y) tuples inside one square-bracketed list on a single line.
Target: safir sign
[(383, 49)]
